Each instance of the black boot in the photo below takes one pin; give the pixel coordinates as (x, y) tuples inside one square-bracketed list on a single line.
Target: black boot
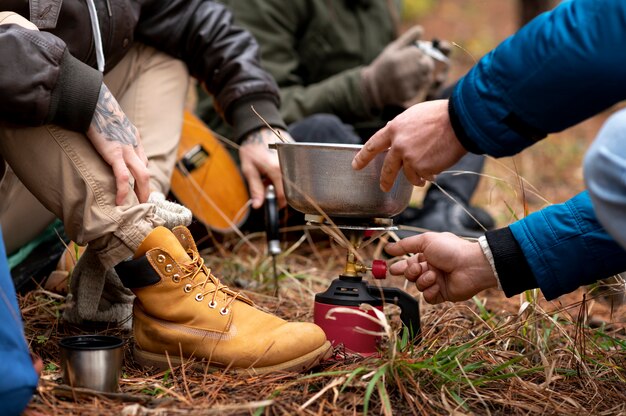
[(441, 213)]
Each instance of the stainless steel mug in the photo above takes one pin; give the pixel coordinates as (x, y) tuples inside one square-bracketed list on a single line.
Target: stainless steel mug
[(92, 361)]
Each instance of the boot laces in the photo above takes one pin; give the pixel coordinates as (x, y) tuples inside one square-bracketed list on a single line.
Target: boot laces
[(194, 268)]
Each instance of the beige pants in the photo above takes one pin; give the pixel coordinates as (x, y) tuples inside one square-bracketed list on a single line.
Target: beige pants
[(61, 174)]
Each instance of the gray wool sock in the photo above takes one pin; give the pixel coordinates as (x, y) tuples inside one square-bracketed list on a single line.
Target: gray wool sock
[(96, 294), (172, 213)]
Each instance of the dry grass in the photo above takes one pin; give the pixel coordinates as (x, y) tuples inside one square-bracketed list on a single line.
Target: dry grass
[(486, 356), (490, 355)]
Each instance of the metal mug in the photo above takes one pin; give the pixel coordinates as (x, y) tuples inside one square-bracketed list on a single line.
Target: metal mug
[(92, 361)]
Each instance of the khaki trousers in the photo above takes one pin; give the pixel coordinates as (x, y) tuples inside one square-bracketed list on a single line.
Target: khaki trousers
[(55, 172)]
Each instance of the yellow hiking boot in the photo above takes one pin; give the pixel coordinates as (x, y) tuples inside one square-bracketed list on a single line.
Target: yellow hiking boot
[(181, 311)]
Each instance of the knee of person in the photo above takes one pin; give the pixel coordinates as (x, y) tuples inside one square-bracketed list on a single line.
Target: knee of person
[(323, 128), (604, 168), (605, 162), (325, 119)]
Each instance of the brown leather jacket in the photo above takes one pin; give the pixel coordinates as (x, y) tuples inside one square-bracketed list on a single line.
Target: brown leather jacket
[(51, 75)]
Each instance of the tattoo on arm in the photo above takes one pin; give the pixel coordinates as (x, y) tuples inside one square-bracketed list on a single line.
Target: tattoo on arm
[(260, 137), (264, 136), (110, 121), (254, 137)]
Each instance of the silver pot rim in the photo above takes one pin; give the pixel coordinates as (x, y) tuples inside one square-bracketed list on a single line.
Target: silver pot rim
[(317, 145)]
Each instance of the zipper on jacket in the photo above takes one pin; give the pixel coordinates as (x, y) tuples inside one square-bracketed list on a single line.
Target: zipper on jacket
[(97, 38)]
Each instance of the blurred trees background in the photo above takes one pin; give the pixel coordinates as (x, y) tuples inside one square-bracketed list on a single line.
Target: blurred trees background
[(527, 9)]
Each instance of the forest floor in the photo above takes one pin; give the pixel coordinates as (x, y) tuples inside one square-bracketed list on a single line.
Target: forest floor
[(488, 355)]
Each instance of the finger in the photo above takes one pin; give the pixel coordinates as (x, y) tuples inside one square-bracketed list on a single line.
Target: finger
[(429, 176), (413, 244), (280, 195), (142, 178), (415, 270), (410, 36), (255, 185), (141, 154), (402, 267), (379, 142), (432, 295), (391, 166), (426, 280), (122, 178), (412, 176), (276, 177), (397, 269)]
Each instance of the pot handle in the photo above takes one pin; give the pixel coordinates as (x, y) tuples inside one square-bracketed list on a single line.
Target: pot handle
[(409, 308)]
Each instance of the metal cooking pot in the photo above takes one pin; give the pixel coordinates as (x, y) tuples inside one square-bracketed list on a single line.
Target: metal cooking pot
[(319, 176)]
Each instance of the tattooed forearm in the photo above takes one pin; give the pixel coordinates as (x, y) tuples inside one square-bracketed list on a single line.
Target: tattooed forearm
[(254, 137), (265, 136), (110, 121)]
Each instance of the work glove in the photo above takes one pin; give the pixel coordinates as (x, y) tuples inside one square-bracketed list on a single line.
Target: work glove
[(399, 74)]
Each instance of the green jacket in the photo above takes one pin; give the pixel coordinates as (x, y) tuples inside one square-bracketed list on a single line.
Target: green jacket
[(315, 49)]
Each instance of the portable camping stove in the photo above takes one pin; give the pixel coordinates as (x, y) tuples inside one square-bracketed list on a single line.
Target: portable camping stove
[(356, 332)]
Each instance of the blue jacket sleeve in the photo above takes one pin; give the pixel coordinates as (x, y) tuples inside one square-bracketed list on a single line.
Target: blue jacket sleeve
[(20, 379), (566, 247), (563, 67)]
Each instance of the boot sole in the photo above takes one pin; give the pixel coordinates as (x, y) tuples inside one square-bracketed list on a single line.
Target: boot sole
[(160, 362)]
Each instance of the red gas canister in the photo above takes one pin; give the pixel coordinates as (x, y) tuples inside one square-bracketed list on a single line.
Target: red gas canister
[(350, 292)]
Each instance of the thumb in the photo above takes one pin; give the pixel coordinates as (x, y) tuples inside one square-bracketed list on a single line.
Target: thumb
[(409, 37), (413, 244)]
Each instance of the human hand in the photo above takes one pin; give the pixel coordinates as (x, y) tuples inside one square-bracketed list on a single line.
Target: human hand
[(420, 140), (118, 142), (445, 267), (258, 161), (400, 73), (37, 363)]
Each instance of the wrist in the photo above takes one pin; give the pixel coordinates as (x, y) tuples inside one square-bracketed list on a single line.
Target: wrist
[(459, 131), (515, 274), (484, 245), (245, 121), (480, 267), (369, 89)]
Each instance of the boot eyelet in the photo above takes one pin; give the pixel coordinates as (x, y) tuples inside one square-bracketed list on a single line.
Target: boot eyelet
[(187, 288), (169, 268), (224, 311), (160, 258), (176, 278), (199, 297), (212, 305)]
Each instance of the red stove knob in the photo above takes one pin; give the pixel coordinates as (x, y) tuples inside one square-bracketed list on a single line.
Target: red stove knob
[(379, 269)]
